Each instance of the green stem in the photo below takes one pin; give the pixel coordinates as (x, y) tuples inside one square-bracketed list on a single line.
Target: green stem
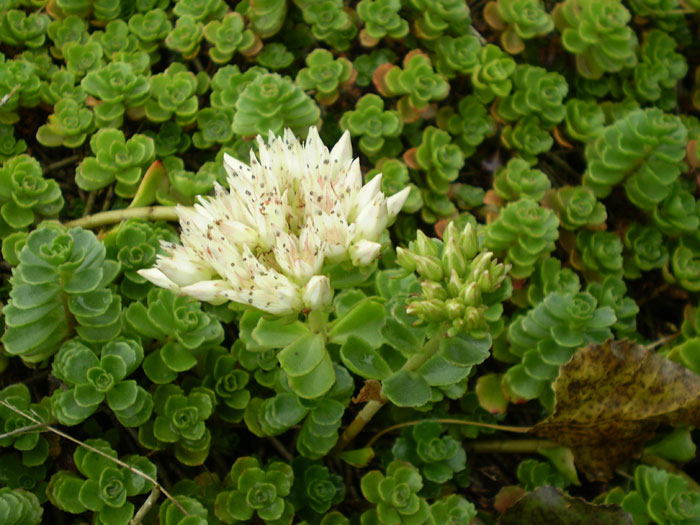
[(151, 213), (365, 415), (97, 451), (512, 446), (504, 428), (146, 507), (317, 321)]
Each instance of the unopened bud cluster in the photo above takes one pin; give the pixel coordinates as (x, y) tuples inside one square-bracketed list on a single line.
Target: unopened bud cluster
[(455, 277)]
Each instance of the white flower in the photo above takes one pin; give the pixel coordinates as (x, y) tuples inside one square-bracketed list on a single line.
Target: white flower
[(264, 241)]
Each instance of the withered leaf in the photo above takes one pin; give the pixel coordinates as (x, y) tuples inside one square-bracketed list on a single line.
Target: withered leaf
[(550, 505), (370, 391), (610, 399)]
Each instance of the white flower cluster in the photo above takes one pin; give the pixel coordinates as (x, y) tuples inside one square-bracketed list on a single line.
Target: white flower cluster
[(264, 241)]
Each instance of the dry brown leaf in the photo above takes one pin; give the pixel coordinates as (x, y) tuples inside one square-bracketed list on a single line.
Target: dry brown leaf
[(371, 391), (610, 399)]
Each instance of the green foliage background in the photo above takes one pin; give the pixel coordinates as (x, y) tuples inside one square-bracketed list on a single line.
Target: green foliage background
[(560, 136)]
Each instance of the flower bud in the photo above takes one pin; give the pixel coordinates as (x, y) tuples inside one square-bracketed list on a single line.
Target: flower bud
[(318, 293), (454, 308), (424, 246), (479, 264), (364, 252), (406, 259), (485, 281), (469, 242), (454, 285), (433, 290), (428, 268), (452, 257), (431, 310), (456, 328), (471, 294), (474, 319)]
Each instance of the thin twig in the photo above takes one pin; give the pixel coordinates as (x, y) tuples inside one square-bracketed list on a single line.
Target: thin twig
[(61, 163), (151, 213), (280, 448), (505, 428), (99, 452), (661, 342), (512, 446), (89, 203), (28, 428), (147, 505)]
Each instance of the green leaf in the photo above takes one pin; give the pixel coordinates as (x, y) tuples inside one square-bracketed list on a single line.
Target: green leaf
[(278, 333), (437, 371), (358, 458), (363, 360), (406, 388), (303, 355), (463, 350), (317, 382), (364, 321)]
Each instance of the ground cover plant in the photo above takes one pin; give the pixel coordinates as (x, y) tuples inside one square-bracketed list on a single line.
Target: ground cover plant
[(322, 262)]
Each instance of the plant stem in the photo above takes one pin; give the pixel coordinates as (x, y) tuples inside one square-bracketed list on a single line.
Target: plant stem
[(22, 430), (97, 451), (63, 162), (372, 407), (512, 446), (150, 213), (505, 428), (147, 505), (89, 203)]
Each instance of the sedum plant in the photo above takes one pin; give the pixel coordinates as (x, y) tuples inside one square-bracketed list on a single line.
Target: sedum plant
[(19, 28), (492, 77), (105, 487), (9, 146), (180, 420), (115, 159), (417, 83), (457, 55), (536, 92), (91, 380), (395, 495), (256, 491), (518, 21), (25, 195), (33, 446), (584, 119), (69, 266), (381, 19), (173, 94), (525, 232), (178, 321), (596, 32), (678, 213), (439, 158), (273, 103), (470, 124), (20, 506), (658, 497), (646, 250), (576, 207), (438, 457), (648, 164), (516, 181), (315, 487), (324, 75), (548, 335), (186, 36), (659, 69), (227, 36), (378, 129), (439, 17), (68, 126), (532, 474), (118, 88), (600, 252)]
